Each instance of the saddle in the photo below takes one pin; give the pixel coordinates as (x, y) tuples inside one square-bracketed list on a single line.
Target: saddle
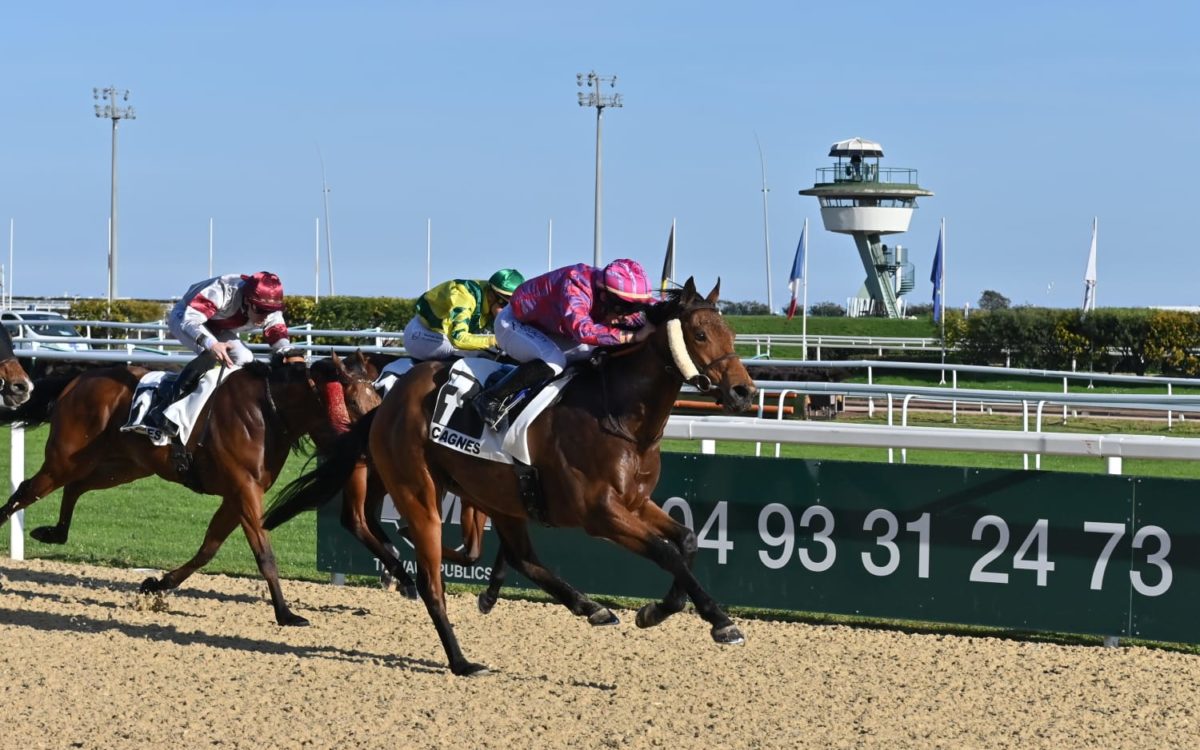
[(455, 425)]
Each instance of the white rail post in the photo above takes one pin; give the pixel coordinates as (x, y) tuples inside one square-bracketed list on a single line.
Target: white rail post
[(16, 525)]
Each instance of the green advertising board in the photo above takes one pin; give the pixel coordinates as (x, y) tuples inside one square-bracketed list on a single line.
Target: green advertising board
[(1076, 553)]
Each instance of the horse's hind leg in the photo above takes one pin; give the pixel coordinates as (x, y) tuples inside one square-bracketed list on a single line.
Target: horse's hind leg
[(57, 534), (518, 548), (487, 598), (72, 491), (29, 492), (362, 502)]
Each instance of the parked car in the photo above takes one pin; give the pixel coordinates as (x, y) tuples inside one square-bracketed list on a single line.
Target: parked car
[(43, 329)]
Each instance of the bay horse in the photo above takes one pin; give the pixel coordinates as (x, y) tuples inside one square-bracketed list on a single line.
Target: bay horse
[(15, 385), (596, 453), (242, 439), (362, 506)]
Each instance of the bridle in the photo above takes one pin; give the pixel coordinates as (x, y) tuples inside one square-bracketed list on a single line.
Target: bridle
[(684, 364)]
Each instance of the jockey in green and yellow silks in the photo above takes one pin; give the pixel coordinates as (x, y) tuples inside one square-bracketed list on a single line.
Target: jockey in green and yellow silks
[(454, 319)]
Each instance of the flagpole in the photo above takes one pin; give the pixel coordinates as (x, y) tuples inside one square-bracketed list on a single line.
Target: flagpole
[(804, 310), (942, 296), (766, 232), (673, 243)]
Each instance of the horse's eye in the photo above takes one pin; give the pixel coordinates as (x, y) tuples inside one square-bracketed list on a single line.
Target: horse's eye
[(701, 336)]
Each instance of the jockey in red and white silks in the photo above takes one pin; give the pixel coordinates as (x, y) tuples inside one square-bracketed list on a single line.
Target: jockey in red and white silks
[(212, 312)]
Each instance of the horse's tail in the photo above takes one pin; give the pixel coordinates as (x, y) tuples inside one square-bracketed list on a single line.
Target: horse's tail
[(36, 411), (319, 486)]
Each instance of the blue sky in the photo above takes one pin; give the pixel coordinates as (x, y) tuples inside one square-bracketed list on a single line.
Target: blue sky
[(1025, 119)]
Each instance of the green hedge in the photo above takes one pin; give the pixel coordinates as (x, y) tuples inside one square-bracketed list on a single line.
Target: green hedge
[(1137, 340)]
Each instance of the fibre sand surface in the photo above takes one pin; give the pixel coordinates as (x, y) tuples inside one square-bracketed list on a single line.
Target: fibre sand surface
[(86, 664)]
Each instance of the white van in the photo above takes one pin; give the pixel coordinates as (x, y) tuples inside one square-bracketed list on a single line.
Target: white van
[(43, 329)]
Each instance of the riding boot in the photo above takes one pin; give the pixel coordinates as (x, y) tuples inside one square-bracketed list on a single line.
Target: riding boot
[(491, 401), (183, 384)]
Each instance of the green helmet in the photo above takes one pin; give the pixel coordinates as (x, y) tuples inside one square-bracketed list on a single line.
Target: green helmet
[(505, 281)]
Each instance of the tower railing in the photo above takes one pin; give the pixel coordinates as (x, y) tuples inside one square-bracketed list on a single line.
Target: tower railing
[(847, 172)]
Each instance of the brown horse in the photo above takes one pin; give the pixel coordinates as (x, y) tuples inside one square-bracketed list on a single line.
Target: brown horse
[(241, 441), (596, 452), (362, 506), (15, 385)]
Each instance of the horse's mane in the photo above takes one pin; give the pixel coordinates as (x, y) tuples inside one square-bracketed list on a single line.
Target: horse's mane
[(671, 306), (674, 304)]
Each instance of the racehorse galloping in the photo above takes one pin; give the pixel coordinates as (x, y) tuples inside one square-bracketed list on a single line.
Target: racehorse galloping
[(15, 385), (597, 454), (362, 506), (241, 441)]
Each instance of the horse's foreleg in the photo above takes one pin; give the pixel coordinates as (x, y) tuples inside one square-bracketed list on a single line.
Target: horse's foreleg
[(260, 544), (223, 522), (517, 547), (640, 533)]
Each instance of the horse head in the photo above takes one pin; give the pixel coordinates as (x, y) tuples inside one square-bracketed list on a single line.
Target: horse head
[(346, 388), (701, 345), (15, 385)]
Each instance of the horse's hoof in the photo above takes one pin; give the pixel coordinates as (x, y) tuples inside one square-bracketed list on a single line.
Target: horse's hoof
[(603, 616), (650, 615), (728, 635), (292, 620), (468, 669), (49, 535), (151, 585), (409, 591), (486, 602)]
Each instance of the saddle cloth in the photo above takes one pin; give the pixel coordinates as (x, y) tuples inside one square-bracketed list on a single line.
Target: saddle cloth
[(182, 413), (390, 372), (455, 424)]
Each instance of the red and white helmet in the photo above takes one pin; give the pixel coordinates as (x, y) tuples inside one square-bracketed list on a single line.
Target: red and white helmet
[(627, 279), (263, 290)]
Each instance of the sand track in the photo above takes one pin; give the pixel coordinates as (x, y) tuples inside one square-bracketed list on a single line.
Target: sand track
[(86, 664)]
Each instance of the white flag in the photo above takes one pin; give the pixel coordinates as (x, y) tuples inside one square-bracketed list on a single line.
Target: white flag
[(1089, 278)]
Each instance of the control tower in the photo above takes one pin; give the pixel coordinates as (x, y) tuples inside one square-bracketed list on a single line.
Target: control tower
[(861, 199)]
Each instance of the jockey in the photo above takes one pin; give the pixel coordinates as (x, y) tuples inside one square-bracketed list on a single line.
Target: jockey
[(207, 320), (455, 318), (561, 317)]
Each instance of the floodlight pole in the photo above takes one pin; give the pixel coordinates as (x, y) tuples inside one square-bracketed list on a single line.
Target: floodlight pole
[(113, 111), (595, 99)]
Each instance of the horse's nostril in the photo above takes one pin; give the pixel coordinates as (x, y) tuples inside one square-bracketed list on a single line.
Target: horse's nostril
[(743, 391), (20, 388)]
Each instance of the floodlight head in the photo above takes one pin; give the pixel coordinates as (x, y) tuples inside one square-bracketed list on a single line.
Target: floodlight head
[(579, 79), (126, 94), (613, 82), (95, 93)]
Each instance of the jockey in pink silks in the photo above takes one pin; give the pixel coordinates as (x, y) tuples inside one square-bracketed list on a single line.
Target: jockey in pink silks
[(562, 317)]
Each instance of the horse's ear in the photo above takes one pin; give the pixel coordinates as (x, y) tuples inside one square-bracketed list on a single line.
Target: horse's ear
[(338, 366), (358, 360), (689, 290), (715, 294)]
